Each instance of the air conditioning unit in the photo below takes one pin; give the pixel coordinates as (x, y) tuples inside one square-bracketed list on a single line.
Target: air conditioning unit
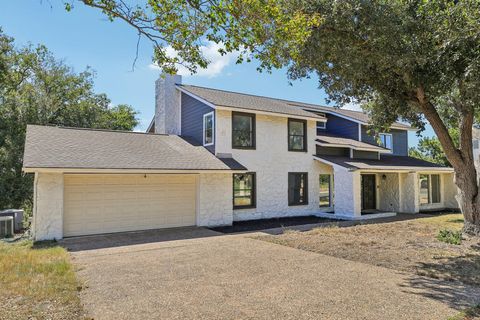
[(6, 227)]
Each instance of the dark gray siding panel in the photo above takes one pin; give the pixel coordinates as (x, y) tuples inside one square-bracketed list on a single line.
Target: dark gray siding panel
[(399, 140), (329, 151), (341, 127), (360, 154), (192, 119)]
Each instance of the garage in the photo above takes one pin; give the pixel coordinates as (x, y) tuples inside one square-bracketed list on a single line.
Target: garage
[(106, 203)]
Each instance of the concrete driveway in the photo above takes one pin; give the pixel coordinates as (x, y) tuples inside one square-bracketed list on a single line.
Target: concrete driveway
[(195, 273)]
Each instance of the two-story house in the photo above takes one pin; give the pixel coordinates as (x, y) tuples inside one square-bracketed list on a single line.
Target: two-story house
[(212, 157)]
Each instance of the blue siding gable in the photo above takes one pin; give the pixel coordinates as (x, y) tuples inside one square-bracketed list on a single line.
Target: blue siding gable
[(399, 140), (341, 127), (192, 119)]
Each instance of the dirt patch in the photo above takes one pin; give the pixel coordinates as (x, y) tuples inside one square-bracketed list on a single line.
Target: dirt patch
[(409, 246)]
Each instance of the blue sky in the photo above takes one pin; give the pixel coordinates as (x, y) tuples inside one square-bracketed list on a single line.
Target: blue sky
[(84, 37)]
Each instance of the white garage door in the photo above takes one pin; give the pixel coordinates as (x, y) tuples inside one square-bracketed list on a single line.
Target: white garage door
[(107, 203)]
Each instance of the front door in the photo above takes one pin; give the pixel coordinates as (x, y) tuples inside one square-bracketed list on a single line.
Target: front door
[(369, 199)]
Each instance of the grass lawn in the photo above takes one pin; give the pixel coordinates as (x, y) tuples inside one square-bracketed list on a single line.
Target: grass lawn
[(409, 246), (37, 282)]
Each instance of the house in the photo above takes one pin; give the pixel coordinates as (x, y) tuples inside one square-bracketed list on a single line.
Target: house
[(212, 157)]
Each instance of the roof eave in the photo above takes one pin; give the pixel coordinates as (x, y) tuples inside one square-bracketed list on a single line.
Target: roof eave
[(126, 170)]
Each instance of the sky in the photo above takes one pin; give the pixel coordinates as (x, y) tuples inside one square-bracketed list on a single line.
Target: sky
[(84, 38)]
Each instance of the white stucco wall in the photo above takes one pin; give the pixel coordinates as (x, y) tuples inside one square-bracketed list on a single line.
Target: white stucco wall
[(48, 206), (388, 195), (214, 200), (272, 161), (409, 190), (450, 191), (347, 193)]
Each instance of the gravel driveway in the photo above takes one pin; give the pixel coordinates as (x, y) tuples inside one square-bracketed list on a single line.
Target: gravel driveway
[(195, 273)]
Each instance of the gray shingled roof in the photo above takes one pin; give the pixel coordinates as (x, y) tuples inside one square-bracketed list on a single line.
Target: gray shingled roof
[(260, 103), (386, 162), (57, 147), (247, 102), (334, 141)]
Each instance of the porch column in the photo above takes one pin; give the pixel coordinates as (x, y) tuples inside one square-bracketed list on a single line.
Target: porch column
[(410, 189), (347, 193)]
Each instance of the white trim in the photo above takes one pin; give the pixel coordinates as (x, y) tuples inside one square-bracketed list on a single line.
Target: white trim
[(211, 105), (126, 171), (334, 165), (211, 113), (275, 114), (179, 113), (324, 125), (359, 132), (338, 145)]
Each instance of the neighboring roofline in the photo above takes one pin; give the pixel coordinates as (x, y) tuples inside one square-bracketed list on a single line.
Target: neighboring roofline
[(337, 145), (220, 107), (97, 130), (152, 122), (124, 171)]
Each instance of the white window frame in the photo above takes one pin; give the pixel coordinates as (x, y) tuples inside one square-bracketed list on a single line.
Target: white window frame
[(212, 114), (321, 125), (391, 139)]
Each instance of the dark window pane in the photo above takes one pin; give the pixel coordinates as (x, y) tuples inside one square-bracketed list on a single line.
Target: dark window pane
[(243, 130), (424, 189), (325, 190), (244, 190), (296, 142), (208, 129), (435, 178), (297, 135), (296, 128), (297, 188)]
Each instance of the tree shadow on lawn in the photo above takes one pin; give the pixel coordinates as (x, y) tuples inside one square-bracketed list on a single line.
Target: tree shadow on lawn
[(453, 280)]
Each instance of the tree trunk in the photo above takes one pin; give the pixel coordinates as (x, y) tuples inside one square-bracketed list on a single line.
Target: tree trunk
[(468, 199), (461, 158)]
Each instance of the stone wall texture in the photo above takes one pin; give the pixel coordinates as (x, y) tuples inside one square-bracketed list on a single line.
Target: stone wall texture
[(347, 193), (271, 161), (388, 192), (48, 206), (214, 201)]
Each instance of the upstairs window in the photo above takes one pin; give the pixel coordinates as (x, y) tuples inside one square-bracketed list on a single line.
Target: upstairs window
[(297, 135), (429, 188), (243, 130), (208, 129), (386, 140), (297, 188), (321, 125)]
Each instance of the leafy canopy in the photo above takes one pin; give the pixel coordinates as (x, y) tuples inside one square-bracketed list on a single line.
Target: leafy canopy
[(35, 88)]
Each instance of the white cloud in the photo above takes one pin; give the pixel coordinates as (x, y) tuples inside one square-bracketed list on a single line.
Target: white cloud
[(217, 61)]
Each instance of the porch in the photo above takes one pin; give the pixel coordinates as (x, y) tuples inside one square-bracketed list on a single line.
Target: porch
[(375, 191)]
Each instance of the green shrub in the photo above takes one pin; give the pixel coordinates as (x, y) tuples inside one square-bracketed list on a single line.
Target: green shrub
[(450, 236)]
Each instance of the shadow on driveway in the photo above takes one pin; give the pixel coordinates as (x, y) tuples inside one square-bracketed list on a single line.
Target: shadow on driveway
[(121, 239)]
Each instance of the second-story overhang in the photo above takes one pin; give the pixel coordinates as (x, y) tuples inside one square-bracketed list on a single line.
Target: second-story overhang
[(340, 142)]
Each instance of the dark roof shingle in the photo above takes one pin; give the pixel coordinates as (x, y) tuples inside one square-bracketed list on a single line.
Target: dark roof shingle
[(58, 147)]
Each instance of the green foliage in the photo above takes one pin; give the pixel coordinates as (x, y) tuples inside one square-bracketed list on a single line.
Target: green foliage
[(35, 88), (429, 149), (450, 236)]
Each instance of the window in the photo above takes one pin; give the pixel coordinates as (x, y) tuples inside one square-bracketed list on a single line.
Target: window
[(386, 140), (297, 135), (429, 188), (244, 190), (243, 130), (208, 129), (475, 144), (321, 125), (325, 191), (297, 188)]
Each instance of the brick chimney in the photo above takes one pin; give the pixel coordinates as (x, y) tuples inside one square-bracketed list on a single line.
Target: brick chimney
[(167, 104)]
